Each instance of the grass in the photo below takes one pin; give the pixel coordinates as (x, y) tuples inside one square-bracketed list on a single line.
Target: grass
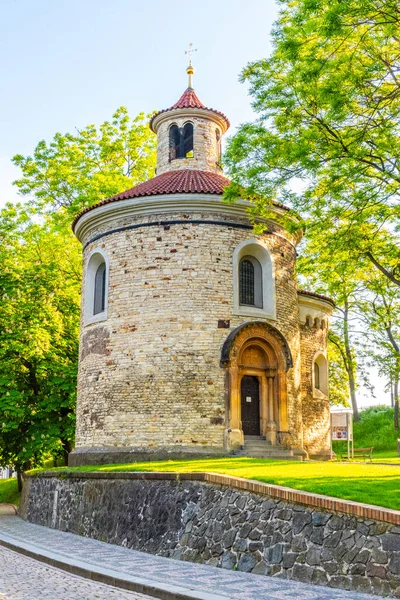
[(9, 491), (369, 483)]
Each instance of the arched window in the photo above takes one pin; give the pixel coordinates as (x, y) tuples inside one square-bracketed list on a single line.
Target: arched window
[(96, 287), (308, 321), (250, 282), (320, 376), (188, 140), (99, 289), (253, 280), (174, 142), (316, 376), (218, 139), (181, 141)]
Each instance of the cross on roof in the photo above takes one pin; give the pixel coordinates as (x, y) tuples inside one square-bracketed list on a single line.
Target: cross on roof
[(190, 52)]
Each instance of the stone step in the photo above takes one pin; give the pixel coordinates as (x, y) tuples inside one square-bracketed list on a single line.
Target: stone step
[(257, 444)]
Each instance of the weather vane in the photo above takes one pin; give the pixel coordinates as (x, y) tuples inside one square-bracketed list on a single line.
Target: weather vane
[(190, 69), (190, 52)]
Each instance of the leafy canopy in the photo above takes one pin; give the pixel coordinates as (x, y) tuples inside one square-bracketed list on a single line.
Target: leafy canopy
[(327, 137), (77, 170)]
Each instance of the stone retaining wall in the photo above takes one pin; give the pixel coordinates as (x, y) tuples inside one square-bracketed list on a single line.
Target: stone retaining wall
[(187, 518)]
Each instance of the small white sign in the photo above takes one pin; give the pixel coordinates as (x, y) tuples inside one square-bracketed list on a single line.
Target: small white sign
[(248, 398)]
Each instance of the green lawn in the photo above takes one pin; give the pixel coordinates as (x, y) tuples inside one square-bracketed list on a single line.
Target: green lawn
[(370, 483), (9, 491)]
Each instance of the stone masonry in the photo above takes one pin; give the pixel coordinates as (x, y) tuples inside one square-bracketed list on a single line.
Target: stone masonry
[(150, 374), (221, 526)]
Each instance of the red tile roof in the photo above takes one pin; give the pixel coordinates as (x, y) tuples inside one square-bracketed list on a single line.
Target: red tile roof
[(189, 99), (314, 295), (187, 181)]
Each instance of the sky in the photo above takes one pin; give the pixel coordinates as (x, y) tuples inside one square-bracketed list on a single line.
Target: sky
[(67, 63)]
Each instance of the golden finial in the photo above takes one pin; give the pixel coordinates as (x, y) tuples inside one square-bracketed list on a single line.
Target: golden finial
[(190, 69)]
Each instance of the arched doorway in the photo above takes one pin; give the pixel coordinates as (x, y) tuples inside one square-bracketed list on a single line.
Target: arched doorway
[(257, 357)]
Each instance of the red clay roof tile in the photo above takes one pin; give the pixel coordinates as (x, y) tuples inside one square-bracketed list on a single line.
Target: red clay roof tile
[(188, 181), (315, 295), (189, 99)]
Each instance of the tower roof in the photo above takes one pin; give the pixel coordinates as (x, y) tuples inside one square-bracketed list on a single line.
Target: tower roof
[(189, 99), (184, 181)]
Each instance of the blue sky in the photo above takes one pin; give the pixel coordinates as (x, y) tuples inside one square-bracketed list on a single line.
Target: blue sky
[(67, 63)]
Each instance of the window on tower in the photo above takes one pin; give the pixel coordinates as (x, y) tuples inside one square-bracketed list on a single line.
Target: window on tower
[(181, 141), (99, 289), (253, 280), (96, 287), (250, 282), (174, 142), (188, 140), (320, 376), (218, 139)]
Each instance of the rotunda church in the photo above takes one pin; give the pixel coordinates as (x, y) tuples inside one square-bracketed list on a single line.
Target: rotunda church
[(195, 339)]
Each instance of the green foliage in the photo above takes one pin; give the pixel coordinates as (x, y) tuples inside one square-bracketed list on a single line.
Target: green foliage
[(78, 170), (39, 321), (375, 428), (40, 278), (372, 484), (9, 491), (329, 100), (339, 388), (327, 142)]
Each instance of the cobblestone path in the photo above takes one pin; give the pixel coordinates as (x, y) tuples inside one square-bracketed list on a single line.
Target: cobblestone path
[(129, 565), (23, 578)]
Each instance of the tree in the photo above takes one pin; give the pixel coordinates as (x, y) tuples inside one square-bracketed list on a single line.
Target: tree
[(40, 278), (339, 389), (336, 275), (39, 322), (78, 170), (382, 315), (329, 102)]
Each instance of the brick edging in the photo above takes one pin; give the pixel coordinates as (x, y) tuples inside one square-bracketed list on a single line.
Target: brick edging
[(329, 503)]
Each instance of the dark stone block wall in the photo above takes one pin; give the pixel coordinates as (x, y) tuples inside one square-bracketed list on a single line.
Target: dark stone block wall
[(221, 526)]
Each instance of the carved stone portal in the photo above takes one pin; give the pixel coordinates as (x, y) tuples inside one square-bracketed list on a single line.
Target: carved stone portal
[(257, 353)]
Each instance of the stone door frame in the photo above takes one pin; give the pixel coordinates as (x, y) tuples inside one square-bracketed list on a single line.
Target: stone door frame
[(272, 377)]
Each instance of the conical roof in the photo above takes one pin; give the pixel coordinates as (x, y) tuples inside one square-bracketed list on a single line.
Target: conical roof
[(189, 99)]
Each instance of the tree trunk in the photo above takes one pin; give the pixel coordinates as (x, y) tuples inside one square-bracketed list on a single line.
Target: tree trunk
[(67, 448), (396, 399), (350, 367), (19, 480)]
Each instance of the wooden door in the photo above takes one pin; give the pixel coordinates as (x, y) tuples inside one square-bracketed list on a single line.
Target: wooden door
[(250, 400)]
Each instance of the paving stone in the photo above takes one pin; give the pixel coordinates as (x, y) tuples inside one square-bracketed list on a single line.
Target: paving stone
[(23, 578), (219, 583)]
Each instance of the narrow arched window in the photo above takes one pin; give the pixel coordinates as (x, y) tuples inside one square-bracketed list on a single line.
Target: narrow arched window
[(218, 140), (320, 376), (188, 140), (96, 287), (317, 383), (99, 289), (174, 142), (250, 282)]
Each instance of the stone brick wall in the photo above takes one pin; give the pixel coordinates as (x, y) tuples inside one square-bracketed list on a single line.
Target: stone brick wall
[(205, 148), (217, 525), (149, 375), (315, 405)]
